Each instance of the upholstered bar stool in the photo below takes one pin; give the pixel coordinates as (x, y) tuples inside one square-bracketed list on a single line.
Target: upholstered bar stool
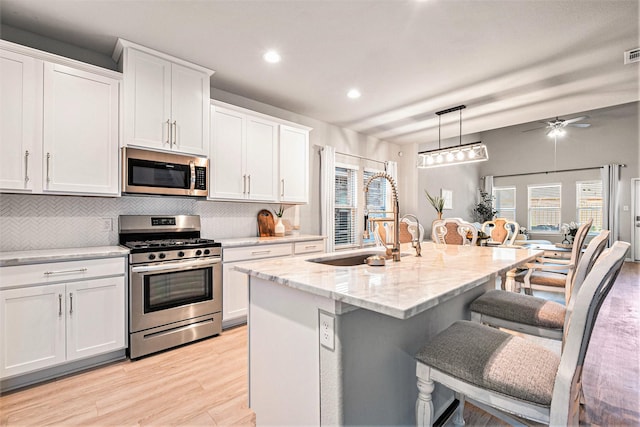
[(532, 315), (509, 376), (550, 275)]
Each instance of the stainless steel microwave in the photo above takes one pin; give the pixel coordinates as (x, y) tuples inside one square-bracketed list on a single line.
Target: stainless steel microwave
[(153, 172)]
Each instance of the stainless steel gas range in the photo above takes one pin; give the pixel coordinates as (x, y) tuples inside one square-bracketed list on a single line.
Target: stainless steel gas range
[(175, 282)]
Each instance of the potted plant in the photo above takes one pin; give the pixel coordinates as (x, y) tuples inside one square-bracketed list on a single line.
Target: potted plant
[(484, 210), (437, 202), (279, 228)]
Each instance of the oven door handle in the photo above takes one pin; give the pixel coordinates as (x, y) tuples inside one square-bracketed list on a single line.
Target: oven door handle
[(175, 266)]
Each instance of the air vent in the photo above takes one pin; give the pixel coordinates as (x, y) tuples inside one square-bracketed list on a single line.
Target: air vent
[(632, 56)]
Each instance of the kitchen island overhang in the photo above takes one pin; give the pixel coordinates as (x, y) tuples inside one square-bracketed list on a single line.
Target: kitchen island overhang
[(380, 317)]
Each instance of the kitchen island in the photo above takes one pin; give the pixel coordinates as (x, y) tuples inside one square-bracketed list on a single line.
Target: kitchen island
[(334, 345)]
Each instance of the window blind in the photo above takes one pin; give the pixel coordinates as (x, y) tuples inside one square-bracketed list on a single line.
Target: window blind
[(589, 203), (376, 200), (544, 207), (505, 202), (345, 207)]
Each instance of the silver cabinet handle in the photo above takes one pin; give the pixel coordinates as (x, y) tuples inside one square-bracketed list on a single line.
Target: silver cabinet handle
[(249, 185), (59, 305), (26, 166), (244, 184), (168, 132), (174, 131), (260, 252), (79, 270), (48, 159), (70, 302), (282, 194)]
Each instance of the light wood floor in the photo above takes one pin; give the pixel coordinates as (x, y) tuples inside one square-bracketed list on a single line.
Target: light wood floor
[(205, 383)]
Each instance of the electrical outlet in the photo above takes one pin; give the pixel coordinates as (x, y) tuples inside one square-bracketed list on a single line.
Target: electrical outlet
[(327, 338), (106, 224)]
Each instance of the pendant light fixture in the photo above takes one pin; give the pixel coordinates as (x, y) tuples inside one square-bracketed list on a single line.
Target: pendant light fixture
[(456, 155)]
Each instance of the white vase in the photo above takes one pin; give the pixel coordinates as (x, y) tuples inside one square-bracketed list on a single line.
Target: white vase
[(279, 229)]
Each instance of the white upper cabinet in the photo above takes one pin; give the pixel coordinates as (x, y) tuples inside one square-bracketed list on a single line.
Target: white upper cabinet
[(255, 157), (80, 131), (294, 164), (18, 117), (243, 156), (59, 122), (166, 101)]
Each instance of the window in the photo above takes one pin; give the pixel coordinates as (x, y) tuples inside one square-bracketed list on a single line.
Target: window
[(505, 202), (589, 203), (376, 200), (544, 208), (346, 206)]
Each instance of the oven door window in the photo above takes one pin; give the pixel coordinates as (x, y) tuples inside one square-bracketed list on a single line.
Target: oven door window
[(158, 174), (168, 290)]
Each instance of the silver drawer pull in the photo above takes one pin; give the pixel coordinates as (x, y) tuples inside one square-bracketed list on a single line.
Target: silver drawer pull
[(260, 252), (79, 270), (310, 246), (48, 161)]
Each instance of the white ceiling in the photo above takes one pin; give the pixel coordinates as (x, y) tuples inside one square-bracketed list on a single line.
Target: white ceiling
[(508, 61)]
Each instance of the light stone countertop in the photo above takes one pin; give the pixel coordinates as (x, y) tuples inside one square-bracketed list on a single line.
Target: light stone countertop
[(255, 240), (398, 289), (39, 256)]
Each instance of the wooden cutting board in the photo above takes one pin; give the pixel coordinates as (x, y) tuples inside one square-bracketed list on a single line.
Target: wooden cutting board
[(266, 225)]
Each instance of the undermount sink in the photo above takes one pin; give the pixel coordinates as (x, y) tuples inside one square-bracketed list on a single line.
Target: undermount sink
[(349, 260)]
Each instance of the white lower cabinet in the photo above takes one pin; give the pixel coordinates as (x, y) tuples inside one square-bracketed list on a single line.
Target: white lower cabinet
[(95, 317), (33, 329), (235, 285), (45, 325)]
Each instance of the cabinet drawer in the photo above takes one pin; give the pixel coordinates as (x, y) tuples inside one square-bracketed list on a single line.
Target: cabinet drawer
[(308, 247), (256, 252), (56, 272)]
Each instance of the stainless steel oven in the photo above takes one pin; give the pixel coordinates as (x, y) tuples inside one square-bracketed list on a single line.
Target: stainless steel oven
[(175, 278)]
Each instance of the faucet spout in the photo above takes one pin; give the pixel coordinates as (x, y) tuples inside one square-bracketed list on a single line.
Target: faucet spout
[(395, 251), (415, 242)]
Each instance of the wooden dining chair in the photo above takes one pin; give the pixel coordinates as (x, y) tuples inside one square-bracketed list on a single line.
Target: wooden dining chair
[(532, 315), (509, 376), (501, 230), (550, 274), (453, 231)]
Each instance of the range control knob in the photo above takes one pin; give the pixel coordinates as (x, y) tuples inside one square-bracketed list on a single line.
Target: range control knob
[(207, 251), (152, 257), (161, 255), (180, 254), (198, 252)]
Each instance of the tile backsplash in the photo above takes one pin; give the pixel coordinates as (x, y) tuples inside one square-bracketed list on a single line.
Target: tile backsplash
[(45, 222)]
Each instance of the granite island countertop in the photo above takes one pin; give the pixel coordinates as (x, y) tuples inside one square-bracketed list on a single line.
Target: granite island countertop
[(398, 289), (256, 240), (38, 256)]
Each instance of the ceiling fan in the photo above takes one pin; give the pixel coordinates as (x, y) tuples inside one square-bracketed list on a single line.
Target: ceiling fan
[(556, 126)]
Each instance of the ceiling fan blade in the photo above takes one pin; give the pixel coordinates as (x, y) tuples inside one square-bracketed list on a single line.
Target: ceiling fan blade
[(580, 125), (529, 130), (575, 119)]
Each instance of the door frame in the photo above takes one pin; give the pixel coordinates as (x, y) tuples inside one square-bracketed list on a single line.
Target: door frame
[(635, 211)]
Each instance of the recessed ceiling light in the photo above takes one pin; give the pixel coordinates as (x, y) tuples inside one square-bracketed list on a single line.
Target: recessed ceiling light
[(272, 57), (354, 94)]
